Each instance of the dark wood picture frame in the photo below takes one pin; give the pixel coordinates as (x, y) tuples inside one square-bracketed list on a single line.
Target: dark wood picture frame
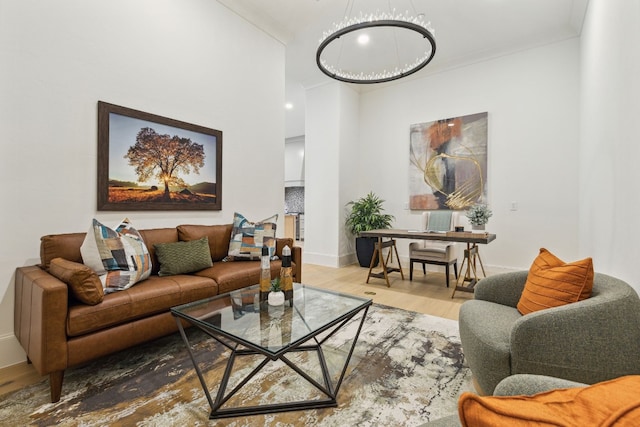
[(127, 146)]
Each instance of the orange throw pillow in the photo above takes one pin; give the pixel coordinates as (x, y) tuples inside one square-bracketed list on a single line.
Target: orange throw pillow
[(551, 283), (609, 403)]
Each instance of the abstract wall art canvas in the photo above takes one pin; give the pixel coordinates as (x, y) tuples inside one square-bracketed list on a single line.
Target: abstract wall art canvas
[(448, 163)]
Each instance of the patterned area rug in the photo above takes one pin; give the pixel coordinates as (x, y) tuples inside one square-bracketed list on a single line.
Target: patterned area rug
[(407, 369)]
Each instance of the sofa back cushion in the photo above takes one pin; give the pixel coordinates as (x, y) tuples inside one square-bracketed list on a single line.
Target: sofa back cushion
[(65, 246), (157, 235), (218, 236)]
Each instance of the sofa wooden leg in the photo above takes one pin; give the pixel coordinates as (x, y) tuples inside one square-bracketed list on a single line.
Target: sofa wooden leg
[(55, 382)]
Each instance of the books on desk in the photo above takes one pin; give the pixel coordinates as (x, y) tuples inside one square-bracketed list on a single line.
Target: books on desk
[(468, 234)]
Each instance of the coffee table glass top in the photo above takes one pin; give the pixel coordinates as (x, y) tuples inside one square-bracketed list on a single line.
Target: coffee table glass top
[(241, 316)]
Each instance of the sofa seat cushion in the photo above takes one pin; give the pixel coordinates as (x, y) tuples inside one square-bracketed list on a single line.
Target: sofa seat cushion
[(231, 276), (487, 350), (151, 296)]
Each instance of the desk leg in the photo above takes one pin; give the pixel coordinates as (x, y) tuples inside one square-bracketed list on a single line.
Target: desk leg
[(471, 257), (373, 261), (377, 254), (385, 262)]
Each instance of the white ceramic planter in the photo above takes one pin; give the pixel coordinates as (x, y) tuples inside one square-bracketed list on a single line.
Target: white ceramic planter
[(276, 298)]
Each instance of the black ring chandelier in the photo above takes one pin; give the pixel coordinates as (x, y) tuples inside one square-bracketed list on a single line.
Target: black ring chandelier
[(422, 39)]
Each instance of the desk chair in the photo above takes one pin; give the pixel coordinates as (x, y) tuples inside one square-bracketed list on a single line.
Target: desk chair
[(434, 252)]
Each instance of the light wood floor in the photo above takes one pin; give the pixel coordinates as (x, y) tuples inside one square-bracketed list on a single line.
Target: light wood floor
[(425, 294)]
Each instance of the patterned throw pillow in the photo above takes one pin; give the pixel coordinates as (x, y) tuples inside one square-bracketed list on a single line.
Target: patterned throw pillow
[(124, 259), (183, 257), (247, 238)]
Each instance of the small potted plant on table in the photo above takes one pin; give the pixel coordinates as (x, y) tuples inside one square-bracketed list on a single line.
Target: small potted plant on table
[(478, 216), (276, 296)]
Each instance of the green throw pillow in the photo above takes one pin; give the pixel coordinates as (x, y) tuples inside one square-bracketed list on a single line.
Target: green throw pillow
[(183, 257)]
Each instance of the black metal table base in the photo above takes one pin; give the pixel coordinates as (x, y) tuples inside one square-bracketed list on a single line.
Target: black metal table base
[(326, 386)]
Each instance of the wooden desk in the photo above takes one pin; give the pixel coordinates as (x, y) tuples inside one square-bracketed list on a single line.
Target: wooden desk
[(471, 254)]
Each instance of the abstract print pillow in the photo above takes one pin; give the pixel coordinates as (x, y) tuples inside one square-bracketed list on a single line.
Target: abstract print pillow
[(118, 255), (247, 238)]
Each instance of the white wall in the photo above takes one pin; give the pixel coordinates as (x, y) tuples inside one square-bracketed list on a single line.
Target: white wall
[(332, 159), (532, 98), (191, 60), (609, 172), (294, 162)]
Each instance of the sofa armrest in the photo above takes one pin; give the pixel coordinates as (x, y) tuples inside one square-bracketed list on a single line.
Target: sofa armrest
[(504, 289), (40, 317), (587, 341), (296, 258), (524, 384)]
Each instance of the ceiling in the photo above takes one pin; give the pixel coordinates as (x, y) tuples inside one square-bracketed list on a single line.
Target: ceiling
[(466, 31)]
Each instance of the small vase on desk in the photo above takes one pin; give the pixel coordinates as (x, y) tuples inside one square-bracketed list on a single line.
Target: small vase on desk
[(477, 227)]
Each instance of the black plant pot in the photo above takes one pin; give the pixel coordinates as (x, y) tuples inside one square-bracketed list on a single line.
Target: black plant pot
[(364, 250)]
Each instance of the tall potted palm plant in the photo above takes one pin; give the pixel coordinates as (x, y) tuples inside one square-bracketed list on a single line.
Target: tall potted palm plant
[(366, 214)]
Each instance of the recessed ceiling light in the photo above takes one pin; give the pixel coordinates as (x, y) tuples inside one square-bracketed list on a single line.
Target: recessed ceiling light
[(363, 39), (288, 106)]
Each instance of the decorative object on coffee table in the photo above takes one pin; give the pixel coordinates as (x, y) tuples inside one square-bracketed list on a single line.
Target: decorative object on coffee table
[(478, 216), (276, 296), (286, 279)]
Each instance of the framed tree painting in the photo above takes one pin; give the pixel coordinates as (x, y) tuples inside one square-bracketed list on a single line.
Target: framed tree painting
[(448, 163), (150, 162)]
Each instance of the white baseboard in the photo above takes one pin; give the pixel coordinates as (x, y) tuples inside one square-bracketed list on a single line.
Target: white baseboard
[(11, 352), (347, 260), (321, 259)]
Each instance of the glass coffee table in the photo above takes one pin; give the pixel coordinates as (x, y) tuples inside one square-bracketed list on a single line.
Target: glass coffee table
[(299, 334)]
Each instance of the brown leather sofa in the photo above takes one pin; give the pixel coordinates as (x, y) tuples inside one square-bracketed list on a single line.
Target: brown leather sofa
[(58, 332)]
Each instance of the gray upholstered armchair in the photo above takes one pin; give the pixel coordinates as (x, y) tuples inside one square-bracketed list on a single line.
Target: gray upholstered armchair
[(588, 341)]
